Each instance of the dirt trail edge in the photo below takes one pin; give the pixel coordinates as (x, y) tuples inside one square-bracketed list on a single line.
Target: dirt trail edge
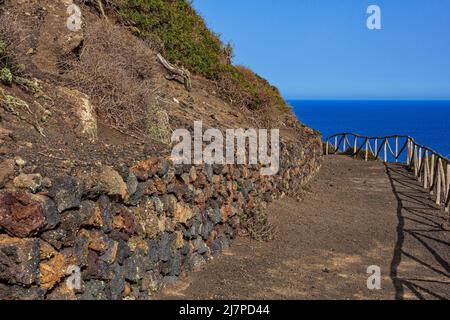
[(355, 215)]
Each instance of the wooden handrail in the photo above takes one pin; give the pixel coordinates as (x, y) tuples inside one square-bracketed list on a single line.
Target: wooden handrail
[(430, 167)]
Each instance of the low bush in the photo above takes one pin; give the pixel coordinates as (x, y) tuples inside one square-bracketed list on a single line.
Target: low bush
[(185, 40), (113, 69)]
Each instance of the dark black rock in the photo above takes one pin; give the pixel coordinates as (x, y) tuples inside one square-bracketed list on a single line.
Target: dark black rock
[(123, 252), (175, 264), (52, 216), (20, 293), (70, 223), (94, 290), (106, 209), (206, 229), (163, 167), (137, 196), (117, 284), (216, 247), (208, 172), (217, 169), (80, 250), (165, 247), (134, 268), (19, 261), (67, 193), (132, 184), (55, 237), (153, 251)]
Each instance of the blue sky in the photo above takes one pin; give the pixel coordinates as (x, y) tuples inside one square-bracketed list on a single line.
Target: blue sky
[(322, 49)]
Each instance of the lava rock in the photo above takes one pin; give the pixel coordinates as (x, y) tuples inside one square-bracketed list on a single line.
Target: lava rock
[(106, 210), (165, 247), (146, 169), (91, 214), (152, 281), (30, 182), (123, 252), (133, 268), (25, 215), (104, 181), (19, 260), (67, 193), (52, 271), (200, 246), (20, 293), (94, 290)]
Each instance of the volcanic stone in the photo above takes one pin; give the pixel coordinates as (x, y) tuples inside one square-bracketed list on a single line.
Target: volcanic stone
[(24, 215), (15, 292), (67, 192), (19, 260), (30, 182)]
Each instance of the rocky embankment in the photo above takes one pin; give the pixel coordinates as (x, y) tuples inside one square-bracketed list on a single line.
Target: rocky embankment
[(131, 232)]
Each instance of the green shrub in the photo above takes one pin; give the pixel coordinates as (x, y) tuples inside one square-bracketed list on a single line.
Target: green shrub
[(6, 76), (187, 41)]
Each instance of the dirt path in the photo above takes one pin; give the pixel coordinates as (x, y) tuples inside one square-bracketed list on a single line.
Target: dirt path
[(355, 215)]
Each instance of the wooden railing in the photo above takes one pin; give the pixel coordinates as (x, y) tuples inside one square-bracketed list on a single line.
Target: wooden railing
[(430, 168)]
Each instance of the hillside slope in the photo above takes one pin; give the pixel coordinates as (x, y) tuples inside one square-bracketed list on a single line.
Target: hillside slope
[(135, 105), (86, 117)]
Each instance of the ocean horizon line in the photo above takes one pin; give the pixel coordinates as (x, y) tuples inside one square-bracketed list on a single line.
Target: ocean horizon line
[(368, 100)]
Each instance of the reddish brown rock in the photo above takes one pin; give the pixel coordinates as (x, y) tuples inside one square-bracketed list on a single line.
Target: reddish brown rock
[(145, 169), (124, 221), (227, 212), (20, 215), (98, 241), (160, 186), (19, 260)]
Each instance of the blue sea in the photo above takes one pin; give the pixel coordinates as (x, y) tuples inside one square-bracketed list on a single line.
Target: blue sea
[(428, 122)]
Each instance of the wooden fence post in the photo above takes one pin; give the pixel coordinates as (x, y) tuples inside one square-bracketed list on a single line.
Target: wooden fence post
[(433, 160), (396, 149), (447, 200), (385, 149), (426, 171), (408, 156), (439, 182), (367, 149), (355, 147), (345, 143), (376, 149)]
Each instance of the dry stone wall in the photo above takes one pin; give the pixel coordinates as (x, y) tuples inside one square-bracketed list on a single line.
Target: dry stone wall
[(129, 233)]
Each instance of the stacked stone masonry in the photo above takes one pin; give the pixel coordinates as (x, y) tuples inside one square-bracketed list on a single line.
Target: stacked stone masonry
[(128, 233)]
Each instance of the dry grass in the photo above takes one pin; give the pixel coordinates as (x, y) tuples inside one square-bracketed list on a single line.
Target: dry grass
[(14, 42), (114, 69)]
